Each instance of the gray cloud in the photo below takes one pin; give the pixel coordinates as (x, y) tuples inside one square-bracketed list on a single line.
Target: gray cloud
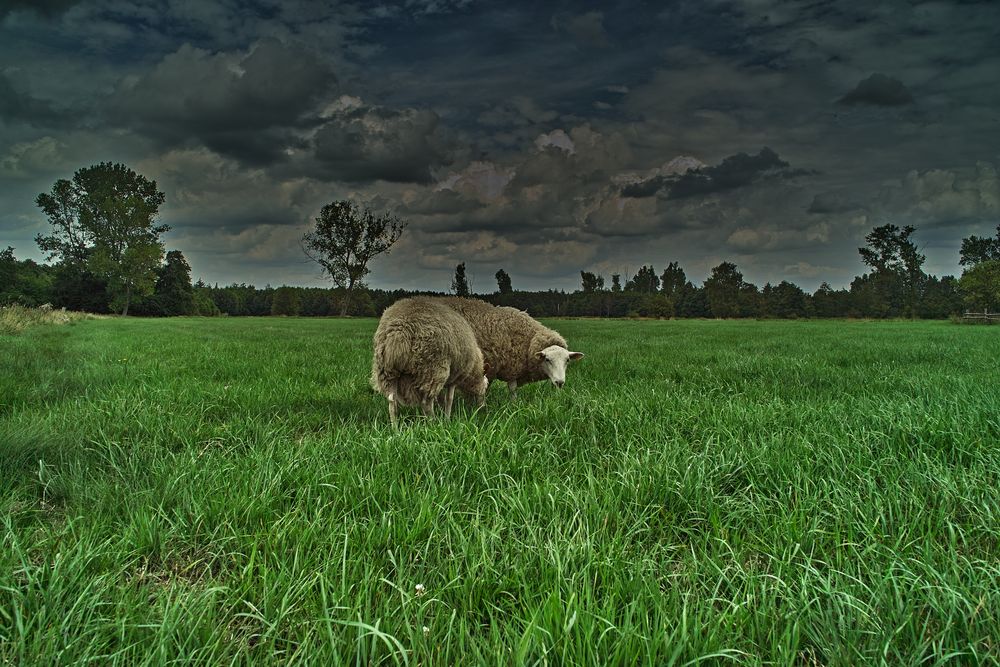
[(46, 8), (587, 29), (18, 105), (244, 105), (878, 90), (733, 172), (361, 143)]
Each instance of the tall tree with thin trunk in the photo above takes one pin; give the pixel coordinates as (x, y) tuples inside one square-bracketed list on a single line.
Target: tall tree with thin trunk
[(103, 222), (345, 239), (460, 284)]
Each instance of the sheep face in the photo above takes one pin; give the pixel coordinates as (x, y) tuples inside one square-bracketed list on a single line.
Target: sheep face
[(554, 360)]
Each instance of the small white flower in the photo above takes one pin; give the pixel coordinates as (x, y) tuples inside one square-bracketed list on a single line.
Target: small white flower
[(420, 590), (427, 631)]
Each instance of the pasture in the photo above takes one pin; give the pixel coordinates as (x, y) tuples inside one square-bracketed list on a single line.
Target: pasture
[(226, 491)]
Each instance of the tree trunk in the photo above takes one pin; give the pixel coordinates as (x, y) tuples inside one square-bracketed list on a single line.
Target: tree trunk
[(128, 298), (347, 299)]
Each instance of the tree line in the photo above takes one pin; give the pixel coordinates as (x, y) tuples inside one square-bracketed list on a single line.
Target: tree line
[(105, 255)]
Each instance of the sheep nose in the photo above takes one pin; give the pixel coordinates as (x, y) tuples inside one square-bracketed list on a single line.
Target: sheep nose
[(560, 383)]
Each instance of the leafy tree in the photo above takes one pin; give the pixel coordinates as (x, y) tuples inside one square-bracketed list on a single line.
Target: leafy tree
[(673, 280), (978, 249), (981, 286), (828, 302), (784, 300), (345, 239), (897, 265), (503, 282), (723, 290), (460, 284), (285, 301), (174, 293), (644, 281), (591, 282), (616, 282), (103, 222), (941, 298)]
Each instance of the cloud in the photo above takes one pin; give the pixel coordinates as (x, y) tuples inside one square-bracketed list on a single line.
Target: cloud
[(942, 197), (832, 202), (242, 105), (587, 29), (878, 90), (18, 105), (361, 143), (733, 172), (46, 8)]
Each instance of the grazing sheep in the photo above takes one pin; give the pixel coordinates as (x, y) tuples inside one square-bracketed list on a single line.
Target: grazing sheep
[(517, 347), (422, 348)]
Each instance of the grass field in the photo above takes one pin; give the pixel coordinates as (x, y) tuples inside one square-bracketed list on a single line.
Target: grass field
[(229, 491)]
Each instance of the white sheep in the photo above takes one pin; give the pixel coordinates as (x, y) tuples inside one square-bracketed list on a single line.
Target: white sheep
[(517, 348), (421, 348)]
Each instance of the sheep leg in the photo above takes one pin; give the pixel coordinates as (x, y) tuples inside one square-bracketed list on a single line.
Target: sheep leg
[(428, 406), (393, 411), (512, 385), (449, 397)]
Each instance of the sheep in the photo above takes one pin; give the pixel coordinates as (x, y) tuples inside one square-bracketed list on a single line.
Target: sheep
[(421, 348), (517, 347)]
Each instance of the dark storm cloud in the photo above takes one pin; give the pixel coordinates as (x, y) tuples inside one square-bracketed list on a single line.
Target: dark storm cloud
[(18, 105), (587, 29), (878, 90), (46, 8), (831, 202), (246, 106), (733, 172), (361, 144)]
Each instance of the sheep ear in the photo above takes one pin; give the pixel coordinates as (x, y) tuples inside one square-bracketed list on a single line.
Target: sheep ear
[(539, 355), (575, 355)]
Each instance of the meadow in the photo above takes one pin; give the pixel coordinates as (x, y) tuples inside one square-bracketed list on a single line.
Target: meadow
[(229, 491)]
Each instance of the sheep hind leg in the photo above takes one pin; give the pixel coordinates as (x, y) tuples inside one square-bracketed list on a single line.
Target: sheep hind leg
[(512, 386), (428, 406)]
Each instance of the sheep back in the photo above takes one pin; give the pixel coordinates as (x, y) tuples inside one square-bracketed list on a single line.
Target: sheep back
[(508, 338)]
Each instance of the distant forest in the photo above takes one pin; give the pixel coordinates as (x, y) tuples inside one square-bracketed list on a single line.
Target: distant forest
[(895, 287)]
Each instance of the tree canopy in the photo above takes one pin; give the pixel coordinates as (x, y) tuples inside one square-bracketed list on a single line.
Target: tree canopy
[(103, 221)]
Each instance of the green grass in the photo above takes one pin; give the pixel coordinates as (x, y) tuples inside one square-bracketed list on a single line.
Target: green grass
[(229, 491)]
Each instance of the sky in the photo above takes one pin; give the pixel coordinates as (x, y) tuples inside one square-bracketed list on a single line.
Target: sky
[(544, 138)]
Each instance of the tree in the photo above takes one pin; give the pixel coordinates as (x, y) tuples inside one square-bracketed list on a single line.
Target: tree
[(616, 282), (460, 284), (980, 286), (345, 239), (503, 282), (785, 300), (644, 281), (723, 290), (897, 265), (285, 302), (103, 222), (673, 280), (591, 282), (978, 249), (174, 293)]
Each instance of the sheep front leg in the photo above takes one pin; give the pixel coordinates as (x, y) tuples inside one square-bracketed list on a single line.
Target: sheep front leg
[(393, 412), (449, 398), (428, 406), (512, 385)]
